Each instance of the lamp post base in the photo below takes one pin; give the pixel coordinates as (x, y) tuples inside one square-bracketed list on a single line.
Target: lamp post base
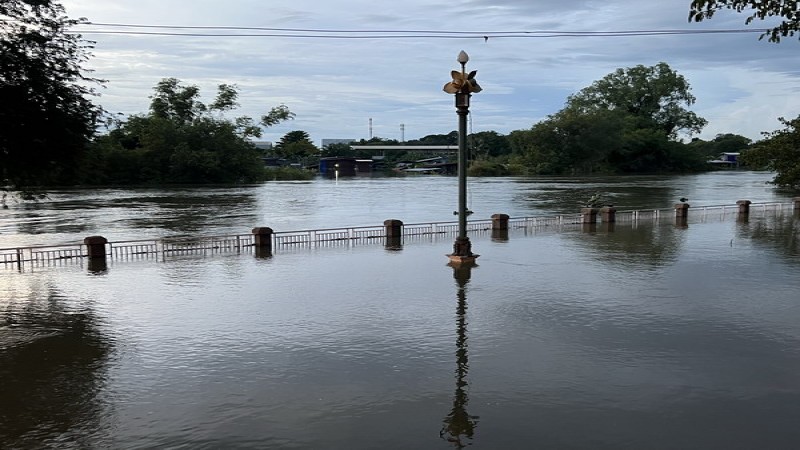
[(462, 252)]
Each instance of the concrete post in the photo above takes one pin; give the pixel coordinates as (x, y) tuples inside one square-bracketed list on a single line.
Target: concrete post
[(744, 209), (681, 211), (589, 215), (393, 227), (608, 214), (744, 206), (96, 246), (394, 234), (262, 237), (681, 215), (499, 222)]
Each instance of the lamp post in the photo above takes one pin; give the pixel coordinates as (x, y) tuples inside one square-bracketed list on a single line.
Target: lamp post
[(463, 85)]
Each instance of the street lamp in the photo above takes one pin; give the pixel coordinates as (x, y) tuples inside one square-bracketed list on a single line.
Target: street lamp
[(463, 85)]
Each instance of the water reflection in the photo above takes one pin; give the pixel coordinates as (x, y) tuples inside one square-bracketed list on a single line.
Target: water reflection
[(459, 426), (648, 245), (779, 233), (53, 365)]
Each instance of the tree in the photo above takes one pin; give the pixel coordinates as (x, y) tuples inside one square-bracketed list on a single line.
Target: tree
[(722, 143), (182, 140), (625, 122), (46, 116), (486, 144), (760, 9), (295, 145), (657, 95), (779, 152)]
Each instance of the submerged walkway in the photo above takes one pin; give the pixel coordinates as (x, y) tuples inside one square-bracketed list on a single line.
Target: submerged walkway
[(263, 241)]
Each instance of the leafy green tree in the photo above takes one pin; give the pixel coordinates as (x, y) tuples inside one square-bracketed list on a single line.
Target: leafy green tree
[(758, 9), (182, 140), (722, 143), (656, 95), (488, 144), (46, 115), (625, 122), (437, 139), (295, 145), (779, 152)]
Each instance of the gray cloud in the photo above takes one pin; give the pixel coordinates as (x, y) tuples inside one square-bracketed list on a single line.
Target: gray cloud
[(336, 85)]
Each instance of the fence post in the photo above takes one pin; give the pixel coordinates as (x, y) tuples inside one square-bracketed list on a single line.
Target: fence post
[(96, 246), (96, 251), (500, 227), (262, 239), (608, 214), (681, 214), (744, 208), (589, 215), (393, 228), (500, 222), (393, 231)]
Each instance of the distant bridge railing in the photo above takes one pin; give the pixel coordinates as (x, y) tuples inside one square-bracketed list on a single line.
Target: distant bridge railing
[(165, 248)]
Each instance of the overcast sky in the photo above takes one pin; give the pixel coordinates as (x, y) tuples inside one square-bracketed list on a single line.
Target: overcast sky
[(335, 86)]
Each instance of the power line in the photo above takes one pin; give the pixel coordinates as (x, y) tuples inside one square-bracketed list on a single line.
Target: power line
[(315, 33)]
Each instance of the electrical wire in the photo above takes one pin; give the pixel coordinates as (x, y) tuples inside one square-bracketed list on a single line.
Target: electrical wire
[(321, 33)]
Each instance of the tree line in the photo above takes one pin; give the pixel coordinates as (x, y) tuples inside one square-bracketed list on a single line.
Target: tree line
[(633, 120)]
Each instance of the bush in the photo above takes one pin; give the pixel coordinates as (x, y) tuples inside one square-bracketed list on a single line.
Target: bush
[(487, 169), (286, 174)]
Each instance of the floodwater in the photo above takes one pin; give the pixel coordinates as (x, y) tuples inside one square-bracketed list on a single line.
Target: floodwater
[(648, 336)]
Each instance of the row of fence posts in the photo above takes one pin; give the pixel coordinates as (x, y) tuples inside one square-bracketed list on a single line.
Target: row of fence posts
[(393, 230)]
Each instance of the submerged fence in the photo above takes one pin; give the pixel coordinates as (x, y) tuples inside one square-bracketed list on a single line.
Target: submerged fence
[(263, 241)]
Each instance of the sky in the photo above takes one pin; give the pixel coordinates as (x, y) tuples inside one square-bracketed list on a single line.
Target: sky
[(389, 68)]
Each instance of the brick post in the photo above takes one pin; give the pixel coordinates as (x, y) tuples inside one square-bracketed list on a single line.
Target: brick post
[(499, 222), (262, 238), (744, 206), (96, 246), (500, 227), (681, 215), (393, 228), (681, 211), (608, 214), (589, 215)]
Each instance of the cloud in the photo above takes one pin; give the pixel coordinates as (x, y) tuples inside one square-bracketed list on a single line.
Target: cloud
[(335, 84)]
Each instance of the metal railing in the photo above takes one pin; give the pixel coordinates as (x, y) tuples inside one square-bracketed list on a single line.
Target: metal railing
[(415, 232)]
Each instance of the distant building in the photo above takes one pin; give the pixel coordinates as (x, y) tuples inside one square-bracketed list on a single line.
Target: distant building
[(726, 160), (327, 142)]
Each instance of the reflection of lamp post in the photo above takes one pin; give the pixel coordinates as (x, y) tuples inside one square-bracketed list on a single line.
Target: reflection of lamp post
[(463, 85), (459, 424)]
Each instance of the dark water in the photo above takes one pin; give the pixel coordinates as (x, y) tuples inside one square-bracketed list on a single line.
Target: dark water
[(650, 336), (70, 215)]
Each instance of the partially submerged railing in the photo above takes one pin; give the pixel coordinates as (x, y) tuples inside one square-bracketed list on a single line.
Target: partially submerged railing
[(265, 238)]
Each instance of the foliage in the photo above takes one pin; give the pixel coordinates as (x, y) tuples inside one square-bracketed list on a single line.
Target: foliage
[(181, 140), (437, 139), (625, 122), (286, 174), (722, 143), (488, 144), (46, 117), (779, 152), (656, 95), (762, 9), (295, 146), (487, 169)]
